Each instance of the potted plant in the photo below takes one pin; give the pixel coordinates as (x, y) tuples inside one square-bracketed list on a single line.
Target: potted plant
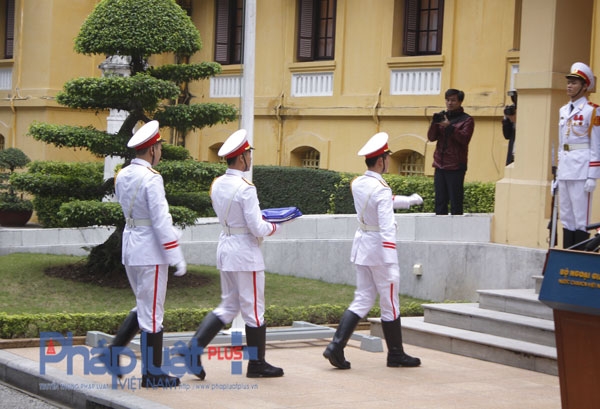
[(14, 209)]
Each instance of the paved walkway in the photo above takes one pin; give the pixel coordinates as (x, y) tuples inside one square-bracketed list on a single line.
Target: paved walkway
[(444, 381)]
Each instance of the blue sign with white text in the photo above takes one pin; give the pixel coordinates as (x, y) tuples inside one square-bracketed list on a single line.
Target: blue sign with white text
[(572, 281)]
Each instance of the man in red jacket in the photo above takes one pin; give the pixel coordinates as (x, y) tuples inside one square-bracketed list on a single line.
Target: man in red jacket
[(452, 129)]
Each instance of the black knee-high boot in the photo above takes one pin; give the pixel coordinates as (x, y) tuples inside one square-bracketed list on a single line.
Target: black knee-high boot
[(152, 353), (568, 238), (335, 350), (208, 329), (127, 331), (578, 237), (259, 368), (393, 338)]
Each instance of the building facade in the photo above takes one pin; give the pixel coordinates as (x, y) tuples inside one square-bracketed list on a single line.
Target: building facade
[(331, 73)]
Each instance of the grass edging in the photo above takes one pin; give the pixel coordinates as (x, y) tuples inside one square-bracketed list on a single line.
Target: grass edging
[(175, 320)]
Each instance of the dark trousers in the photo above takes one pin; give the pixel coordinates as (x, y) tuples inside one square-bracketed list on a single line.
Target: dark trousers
[(449, 187)]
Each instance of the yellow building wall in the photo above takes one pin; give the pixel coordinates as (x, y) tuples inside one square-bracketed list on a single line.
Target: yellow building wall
[(481, 40), (361, 105), (43, 61)]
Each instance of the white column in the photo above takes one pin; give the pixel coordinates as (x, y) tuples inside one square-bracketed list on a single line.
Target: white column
[(114, 121), (114, 65)]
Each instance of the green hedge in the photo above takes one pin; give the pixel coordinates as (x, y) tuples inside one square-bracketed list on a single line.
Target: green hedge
[(177, 320), (55, 183), (199, 202), (189, 175), (69, 194), (308, 189), (80, 213), (316, 191)]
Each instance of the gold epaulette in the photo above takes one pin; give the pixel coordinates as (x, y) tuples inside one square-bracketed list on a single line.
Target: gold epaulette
[(595, 118), (384, 183), (154, 170), (115, 177), (248, 182)]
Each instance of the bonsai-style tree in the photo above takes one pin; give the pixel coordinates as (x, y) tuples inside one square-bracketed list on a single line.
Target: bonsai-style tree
[(134, 30), (12, 159)]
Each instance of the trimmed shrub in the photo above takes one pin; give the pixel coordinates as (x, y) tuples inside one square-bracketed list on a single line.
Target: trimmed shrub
[(69, 194), (308, 189), (199, 202), (55, 183), (80, 213), (177, 320)]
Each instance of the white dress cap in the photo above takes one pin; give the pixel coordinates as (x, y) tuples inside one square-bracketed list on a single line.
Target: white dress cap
[(582, 71), (146, 136), (375, 146), (235, 145)]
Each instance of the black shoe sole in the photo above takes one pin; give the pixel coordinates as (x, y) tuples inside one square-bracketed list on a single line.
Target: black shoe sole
[(260, 375), (404, 365)]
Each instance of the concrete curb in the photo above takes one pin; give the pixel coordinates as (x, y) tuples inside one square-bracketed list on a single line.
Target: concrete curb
[(25, 374)]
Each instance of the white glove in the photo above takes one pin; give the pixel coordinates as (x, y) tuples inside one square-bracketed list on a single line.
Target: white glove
[(181, 268), (554, 187), (590, 185), (415, 199)]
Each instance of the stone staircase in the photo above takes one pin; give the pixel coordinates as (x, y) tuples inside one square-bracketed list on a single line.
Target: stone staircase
[(510, 327)]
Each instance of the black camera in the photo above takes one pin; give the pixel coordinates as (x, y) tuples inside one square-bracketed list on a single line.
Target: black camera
[(511, 109), (439, 117)]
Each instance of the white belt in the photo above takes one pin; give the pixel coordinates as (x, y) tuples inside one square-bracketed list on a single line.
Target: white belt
[(366, 227), (575, 146), (137, 222), (229, 231)]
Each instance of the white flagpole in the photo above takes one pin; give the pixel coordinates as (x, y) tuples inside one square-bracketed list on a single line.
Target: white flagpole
[(247, 101)]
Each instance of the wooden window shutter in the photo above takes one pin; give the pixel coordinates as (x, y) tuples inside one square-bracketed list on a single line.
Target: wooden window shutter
[(411, 26), (305, 30), (222, 31), (440, 26), (10, 29)]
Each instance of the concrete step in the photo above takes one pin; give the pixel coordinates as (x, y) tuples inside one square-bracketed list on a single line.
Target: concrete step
[(492, 348), (469, 316), (515, 301), (538, 283)]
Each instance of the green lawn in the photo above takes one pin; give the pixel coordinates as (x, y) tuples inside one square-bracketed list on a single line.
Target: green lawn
[(26, 289)]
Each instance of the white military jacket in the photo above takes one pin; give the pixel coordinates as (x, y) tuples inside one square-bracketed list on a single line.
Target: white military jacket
[(236, 204), (149, 237), (375, 239), (579, 141)]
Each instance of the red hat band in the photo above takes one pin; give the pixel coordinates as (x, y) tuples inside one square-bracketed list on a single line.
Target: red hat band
[(245, 146), (149, 142), (378, 152), (583, 75)]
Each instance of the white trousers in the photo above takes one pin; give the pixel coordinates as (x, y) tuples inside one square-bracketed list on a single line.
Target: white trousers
[(242, 291), (149, 285), (575, 204), (374, 280)]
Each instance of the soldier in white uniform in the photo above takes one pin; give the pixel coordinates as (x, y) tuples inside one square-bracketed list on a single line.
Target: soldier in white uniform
[(150, 245), (375, 258), (578, 155), (239, 257)]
